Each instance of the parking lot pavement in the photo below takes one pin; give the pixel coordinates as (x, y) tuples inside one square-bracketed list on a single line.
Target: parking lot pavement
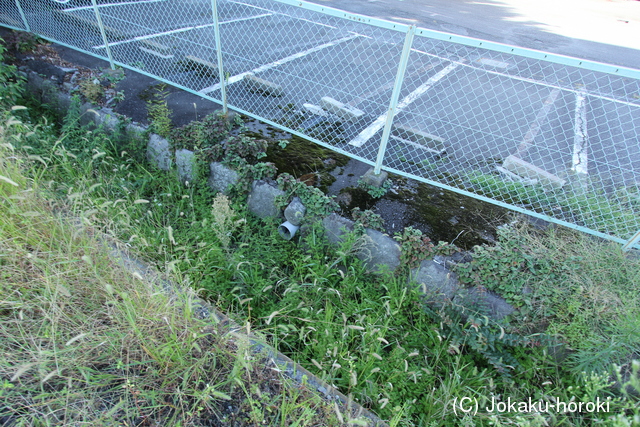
[(461, 108)]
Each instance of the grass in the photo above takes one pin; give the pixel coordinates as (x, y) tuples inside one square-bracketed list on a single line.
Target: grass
[(578, 288), (88, 342), (581, 201), (368, 335)]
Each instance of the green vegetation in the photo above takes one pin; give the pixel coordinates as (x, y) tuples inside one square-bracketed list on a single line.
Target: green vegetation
[(317, 203), (159, 113), (578, 289), (85, 341), (375, 192), (367, 219), (580, 200)]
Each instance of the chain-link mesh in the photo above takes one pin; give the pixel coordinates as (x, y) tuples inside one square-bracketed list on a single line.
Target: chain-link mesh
[(553, 139), (556, 140), (10, 15)]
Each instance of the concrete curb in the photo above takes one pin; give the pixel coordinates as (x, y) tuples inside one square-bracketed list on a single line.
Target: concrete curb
[(223, 325)]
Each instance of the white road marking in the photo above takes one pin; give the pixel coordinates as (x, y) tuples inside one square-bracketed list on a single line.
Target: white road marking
[(533, 81), (354, 102), (181, 30), (238, 77), (374, 127), (580, 139), (415, 144), (528, 139), (73, 9), (283, 14), (492, 63)]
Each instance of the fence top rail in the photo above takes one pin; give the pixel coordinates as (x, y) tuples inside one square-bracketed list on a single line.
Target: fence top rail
[(403, 28), (470, 41), (531, 53)]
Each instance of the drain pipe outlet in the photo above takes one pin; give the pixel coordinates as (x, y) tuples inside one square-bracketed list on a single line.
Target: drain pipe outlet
[(287, 230)]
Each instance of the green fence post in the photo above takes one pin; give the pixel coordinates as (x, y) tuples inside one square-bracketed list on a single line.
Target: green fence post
[(24, 18), (631, 242), (397, 87), (216, 30), (103, 33)]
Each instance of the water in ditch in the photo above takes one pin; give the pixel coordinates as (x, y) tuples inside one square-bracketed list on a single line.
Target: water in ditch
[(441, 214)]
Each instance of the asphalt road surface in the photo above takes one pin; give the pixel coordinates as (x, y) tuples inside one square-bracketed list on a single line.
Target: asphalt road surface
[(462, 109), (599, 30)]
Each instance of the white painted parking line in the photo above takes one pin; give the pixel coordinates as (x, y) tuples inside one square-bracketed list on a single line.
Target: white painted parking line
[(535, 127), (238, 77), (533, 81), (374, 127), (181, 30), (580, 139), (283, 14), (355, 101), (73, 9)]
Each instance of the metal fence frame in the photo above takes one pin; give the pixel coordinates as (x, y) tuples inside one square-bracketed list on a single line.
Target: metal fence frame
[(410, 32)]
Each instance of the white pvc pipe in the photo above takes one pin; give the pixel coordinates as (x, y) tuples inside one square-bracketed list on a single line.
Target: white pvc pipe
[(288, 230)]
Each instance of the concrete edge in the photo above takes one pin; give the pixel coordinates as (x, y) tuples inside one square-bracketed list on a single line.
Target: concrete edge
[(223, 324)]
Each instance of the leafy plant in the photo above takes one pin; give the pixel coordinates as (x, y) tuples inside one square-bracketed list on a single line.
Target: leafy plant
[(468, 326), (113, 76), (317, 203), (204, 135), (225, 220), (367, 219), (26, 42), (159, 113), (283, 143), (92, 89), (242, 148), (415, 246), (374, 191), (11, 84)]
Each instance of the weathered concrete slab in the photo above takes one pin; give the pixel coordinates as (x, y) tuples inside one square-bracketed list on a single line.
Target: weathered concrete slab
[(262, 199), (264, 87), (221, 178), (158, 152), (314, 109), (185, 162), (344, 111), (426, 140), (335, 227), (374, 180), (527, 170), (202, 66), (438, 283), (156, 46), (294, 213), (154, 53), (379, 251)]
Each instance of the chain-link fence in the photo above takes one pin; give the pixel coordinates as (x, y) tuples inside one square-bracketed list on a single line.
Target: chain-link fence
[(551, 136)]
